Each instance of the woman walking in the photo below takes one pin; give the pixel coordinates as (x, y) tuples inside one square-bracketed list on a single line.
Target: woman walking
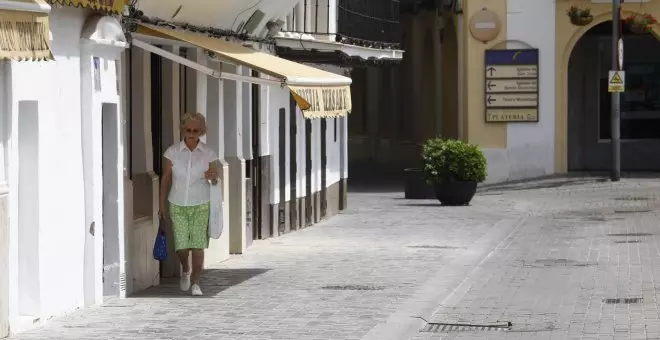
[(189, 169)]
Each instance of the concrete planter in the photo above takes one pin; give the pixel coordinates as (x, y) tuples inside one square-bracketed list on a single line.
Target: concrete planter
[(416, 186)]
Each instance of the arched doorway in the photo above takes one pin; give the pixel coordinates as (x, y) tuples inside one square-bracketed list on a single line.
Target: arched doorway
[(588, 102)]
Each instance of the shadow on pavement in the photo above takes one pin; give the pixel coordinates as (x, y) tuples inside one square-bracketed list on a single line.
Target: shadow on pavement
[(213, 282)]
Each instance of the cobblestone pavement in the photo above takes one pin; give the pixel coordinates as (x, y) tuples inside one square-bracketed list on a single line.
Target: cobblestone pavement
[(542, 256), (586, 265)]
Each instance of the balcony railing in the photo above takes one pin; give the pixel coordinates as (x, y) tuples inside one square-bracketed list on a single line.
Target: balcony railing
[(369, 22)]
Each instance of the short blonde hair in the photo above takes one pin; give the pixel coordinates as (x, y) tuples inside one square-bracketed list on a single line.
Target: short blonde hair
[(194, 116)]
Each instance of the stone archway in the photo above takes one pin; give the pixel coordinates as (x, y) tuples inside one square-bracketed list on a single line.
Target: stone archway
[(587, 101), (568, 37)]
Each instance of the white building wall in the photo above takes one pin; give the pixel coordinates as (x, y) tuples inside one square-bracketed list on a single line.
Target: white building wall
[(55, 89), (47, 178), (530, 146)]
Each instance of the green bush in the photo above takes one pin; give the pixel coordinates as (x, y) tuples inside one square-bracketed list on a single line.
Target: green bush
[(452, 160)]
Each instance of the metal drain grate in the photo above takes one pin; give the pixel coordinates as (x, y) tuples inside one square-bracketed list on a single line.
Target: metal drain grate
[(632, 198), (558, 262), (433, 247), (630, 234), (449, 327), (626, 301), (632, 211), (352, 287), (631, 241)]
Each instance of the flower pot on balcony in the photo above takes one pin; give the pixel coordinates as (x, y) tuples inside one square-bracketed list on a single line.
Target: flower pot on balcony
[(582, 21)]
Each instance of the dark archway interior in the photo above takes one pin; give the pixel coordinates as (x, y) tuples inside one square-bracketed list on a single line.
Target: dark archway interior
[(589, 101)]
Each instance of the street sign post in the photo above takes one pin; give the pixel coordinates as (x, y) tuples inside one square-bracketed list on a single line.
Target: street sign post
[(617, 65)]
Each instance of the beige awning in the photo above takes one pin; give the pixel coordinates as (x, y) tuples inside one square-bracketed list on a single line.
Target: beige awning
[(319, 94), (24, 33), (109, 6)]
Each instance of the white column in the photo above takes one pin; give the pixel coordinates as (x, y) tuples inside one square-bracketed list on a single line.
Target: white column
[(264, 120), (300, 16), (309, 17), (247, 115), (233, 107), (196, 84), (218, 249), (332, 16)]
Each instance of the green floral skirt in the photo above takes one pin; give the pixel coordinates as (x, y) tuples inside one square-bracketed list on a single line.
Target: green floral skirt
[(190, 226)]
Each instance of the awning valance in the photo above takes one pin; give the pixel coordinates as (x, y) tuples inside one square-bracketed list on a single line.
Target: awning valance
[(319, 94), (109, 6), (24, 33)]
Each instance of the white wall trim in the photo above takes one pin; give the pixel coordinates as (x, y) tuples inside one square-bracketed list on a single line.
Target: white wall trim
[(308, 42), (36, 7)]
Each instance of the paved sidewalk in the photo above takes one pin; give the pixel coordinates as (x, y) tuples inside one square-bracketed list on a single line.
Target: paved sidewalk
[(540, 258), (585, 266)]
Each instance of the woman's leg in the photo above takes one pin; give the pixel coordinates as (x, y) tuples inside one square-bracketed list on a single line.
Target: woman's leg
[(181, 231), (197, 265), (199, 240), (183, 257)]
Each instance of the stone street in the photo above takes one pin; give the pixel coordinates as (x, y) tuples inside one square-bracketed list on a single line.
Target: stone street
[(571, 258)]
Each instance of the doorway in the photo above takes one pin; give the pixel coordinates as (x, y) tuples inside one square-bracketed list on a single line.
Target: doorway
[(112, 282), (589, 102), (256, 166), (29, 280), (324, 166), (309, 196)]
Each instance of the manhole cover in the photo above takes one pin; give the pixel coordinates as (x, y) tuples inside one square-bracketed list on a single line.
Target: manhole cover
[(632, 198), (626, 301), (352, 287), (433, 247), (457, 327), (630, 234), (631, 241)]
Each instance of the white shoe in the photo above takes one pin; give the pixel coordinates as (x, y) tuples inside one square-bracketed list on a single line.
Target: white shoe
[(184, 283), (196, 291)]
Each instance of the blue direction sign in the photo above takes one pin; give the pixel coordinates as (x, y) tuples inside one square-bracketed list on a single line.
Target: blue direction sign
[(511, 85)]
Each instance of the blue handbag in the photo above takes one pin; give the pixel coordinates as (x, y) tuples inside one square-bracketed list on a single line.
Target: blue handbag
[(160, 246)]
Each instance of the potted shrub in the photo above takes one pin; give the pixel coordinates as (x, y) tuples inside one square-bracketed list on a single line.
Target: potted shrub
[(640, 23), (580, 16), (454, 168)]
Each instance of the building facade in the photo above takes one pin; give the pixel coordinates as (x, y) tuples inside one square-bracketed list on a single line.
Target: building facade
[(61, 158), (105, 103), (335, 35), (444, 90)]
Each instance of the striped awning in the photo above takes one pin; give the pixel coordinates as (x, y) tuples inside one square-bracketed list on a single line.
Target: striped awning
[(109, 6), (318, 93), (24, 33)]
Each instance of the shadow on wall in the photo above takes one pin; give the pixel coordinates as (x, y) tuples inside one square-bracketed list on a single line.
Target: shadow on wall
[(213, 282)]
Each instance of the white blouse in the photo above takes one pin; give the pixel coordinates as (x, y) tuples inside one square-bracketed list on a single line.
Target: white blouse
[(189, 187)]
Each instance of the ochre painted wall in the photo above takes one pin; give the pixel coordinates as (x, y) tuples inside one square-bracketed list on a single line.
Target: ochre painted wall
[(567, 35), (486, 135)]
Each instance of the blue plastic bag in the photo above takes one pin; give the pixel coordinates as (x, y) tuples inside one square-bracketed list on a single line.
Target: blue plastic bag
[(160, 246)]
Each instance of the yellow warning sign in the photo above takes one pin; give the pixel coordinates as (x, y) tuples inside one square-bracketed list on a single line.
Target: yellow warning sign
[(616, 81)]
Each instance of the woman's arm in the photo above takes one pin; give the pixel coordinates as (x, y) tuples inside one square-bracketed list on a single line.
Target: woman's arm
[(165, 183)]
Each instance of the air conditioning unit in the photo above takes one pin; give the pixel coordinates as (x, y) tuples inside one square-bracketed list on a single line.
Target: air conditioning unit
[(251, 25)]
